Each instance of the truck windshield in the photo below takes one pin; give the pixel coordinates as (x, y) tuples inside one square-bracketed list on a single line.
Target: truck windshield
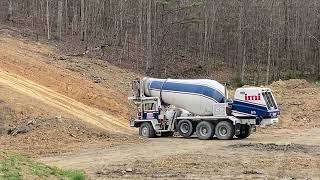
[(268, 98)]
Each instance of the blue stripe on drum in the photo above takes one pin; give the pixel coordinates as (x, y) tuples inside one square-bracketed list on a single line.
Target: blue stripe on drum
[(188, 88), (178, 92)]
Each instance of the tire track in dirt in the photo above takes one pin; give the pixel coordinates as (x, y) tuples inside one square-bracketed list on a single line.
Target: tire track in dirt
[(165, 150), (49, 97)]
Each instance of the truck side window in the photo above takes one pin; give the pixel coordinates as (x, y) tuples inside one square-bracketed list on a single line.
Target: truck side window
[(149, 107)]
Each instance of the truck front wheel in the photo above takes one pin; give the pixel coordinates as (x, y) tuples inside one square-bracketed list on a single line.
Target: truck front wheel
[(185, 128), (205, 130), (245, 131), (146, 130), (225, 130)]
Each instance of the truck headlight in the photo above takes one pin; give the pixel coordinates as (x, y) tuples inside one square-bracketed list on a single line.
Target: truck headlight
[(273, 114)]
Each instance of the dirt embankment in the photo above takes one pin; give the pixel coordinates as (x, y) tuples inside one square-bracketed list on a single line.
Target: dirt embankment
[(299, 102), (72, 102), (39, 63), (34, 128)]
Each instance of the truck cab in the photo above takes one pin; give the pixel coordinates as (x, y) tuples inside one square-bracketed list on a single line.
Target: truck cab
[(255, 102)]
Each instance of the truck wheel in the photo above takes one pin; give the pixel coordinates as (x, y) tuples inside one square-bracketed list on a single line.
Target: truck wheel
[(185, 128), (245, 131), (205, 130), (146, 130), (225, 130)]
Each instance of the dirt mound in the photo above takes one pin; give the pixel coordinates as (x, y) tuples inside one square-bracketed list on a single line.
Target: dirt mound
[(299, 101), (291, 84)]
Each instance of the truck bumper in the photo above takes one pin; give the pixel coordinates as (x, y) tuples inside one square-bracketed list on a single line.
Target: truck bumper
[(269, 122)]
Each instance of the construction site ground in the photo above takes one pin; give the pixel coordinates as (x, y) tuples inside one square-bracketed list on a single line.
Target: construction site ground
[(71, 111), (271, 154)]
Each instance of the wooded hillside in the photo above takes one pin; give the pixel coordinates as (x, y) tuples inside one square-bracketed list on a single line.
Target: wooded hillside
[(252, 41)]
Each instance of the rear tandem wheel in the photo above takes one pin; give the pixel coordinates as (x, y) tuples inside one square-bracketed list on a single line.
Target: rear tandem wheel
[(225, 130), (185, 128), (205, 130)]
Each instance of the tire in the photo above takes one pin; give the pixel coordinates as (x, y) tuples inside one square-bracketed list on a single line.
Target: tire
[(225, 130), (185, 128), (167, 134), (245, 132), (205, 130), (146, 130)]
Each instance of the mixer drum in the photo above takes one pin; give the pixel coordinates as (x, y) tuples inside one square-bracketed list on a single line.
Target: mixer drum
[(196, 96)]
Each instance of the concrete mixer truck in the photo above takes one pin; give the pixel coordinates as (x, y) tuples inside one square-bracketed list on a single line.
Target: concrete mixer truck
[(165, 106)]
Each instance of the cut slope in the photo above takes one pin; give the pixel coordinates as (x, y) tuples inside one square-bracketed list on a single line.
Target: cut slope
[(52, 131), (72, 109), (38, 62), (63, 103), (89, 85)]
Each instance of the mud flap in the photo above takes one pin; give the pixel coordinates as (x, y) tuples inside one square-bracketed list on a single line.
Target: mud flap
[(258, 120), (253, 129), (237, 128)]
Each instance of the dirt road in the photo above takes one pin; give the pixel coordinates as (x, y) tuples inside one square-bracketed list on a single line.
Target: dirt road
[(51, 98), (273, 154)]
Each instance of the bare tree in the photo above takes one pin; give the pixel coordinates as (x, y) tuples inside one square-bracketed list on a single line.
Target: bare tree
[(269, 43), (10, 10), (59, 23), (149, 36), (48, 20), (82, 15)]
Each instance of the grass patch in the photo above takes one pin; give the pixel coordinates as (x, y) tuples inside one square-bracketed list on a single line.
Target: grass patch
[(16, 167)]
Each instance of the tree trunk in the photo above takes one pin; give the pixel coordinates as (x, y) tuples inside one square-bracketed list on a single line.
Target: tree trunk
[(121, 24), (241, 50), (269, 61), (59, 25), (269, 45), (48, 21), (10, 10), (149, 36), (66, 19), (82, 15), (140, 22), (74, 25), (205, 41), (244, 63)]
